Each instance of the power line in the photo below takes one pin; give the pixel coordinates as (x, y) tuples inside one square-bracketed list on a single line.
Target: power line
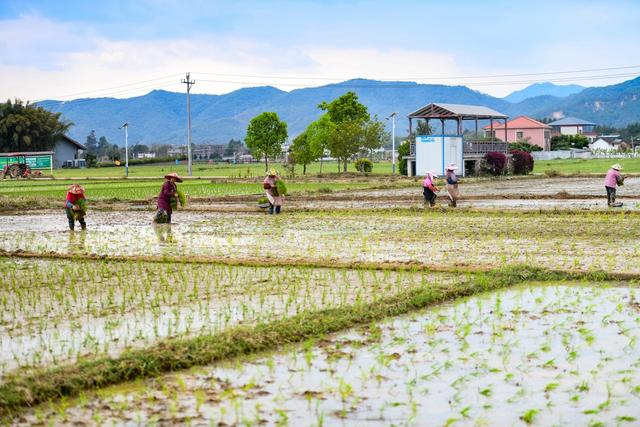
[(587, 70), (409, 86), (173, 76)]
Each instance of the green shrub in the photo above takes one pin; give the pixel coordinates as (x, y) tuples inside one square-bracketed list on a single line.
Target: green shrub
[(403, 150), (364, 165)]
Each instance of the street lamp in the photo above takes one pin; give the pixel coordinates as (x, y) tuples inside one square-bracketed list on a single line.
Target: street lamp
[(392, 116), (125, 126)]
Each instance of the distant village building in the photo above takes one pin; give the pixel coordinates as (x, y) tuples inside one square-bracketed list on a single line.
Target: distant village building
[(522, 129), (146, 155), (571, 126), (607, 143), (199, 151), (67, 151)]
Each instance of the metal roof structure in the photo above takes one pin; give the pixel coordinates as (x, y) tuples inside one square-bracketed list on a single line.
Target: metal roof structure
[(455, 111), (571, 121)]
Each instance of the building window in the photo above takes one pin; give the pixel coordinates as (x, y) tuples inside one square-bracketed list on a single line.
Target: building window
[(519, 136)]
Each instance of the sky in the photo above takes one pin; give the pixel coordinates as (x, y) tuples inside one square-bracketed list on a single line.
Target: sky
[(77, 49)]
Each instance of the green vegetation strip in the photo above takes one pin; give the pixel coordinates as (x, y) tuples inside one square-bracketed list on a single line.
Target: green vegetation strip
[(23, 389)]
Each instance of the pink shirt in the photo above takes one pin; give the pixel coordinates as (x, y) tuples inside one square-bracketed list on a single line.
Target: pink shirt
[(428, 182), (611, 180)]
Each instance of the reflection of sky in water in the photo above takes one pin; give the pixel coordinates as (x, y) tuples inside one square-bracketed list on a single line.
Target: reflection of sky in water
[(568, 353)]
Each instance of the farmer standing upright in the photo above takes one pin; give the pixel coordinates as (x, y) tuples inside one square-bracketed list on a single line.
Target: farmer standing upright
[(270, 185), (75, 206), (167, 198), (429, 188), (612, 180), (452, 184)]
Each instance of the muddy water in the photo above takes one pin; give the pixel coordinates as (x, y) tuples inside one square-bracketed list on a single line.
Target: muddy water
[(551, 355)]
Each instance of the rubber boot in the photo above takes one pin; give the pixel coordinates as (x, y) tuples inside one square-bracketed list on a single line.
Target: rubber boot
[(270, 208), (278, 209)]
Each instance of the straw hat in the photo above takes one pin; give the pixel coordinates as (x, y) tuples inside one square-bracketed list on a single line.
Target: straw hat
[(273, 172), (173, 175), (452, 167), (76, 189), (432, 173), (617, 167)]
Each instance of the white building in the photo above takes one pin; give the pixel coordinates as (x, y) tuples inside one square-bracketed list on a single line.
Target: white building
[(571, 126), (606, 143)]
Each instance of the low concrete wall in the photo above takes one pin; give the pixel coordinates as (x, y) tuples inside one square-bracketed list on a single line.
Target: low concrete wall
[(561, 154)]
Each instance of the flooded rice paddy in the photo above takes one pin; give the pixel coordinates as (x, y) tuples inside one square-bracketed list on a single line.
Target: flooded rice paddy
[(541, 355)]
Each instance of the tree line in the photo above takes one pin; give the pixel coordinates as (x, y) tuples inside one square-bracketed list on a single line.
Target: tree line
[(345, 131)]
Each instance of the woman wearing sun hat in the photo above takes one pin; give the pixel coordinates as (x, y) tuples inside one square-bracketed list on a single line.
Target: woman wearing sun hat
[(452, 184), (429, 188), (167, 197), (612, 180), (270, 185), (75, 206)]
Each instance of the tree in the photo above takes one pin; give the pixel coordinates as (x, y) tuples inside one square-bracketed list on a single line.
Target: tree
[(319, 134), (345, 109), (374, 135), (346, 141), (24, 127), (140, 148), (92, 143), (103, 147), (566, 142), (303, 152), (423, 128), (350, 118), (404, 149), (234, 146), (265, 136)]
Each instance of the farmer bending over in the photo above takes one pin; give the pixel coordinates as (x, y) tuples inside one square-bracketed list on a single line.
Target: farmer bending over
[(452, 184), (429, 188), (167, 199), (76, 206), (613, 179), (270, 185)]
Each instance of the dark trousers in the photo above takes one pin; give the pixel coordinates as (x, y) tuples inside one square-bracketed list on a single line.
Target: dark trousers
[(72, 221), (277, 208), (429, 196), (611, 195)]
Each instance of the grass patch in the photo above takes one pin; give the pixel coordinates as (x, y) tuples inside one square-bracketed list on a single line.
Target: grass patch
[(23, 389)]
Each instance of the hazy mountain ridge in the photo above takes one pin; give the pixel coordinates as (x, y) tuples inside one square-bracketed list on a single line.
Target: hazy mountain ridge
[(543, 89), (160, 116)]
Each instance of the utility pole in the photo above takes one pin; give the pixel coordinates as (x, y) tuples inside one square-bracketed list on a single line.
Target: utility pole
[(189, 83), (393, 141), (125, 126)]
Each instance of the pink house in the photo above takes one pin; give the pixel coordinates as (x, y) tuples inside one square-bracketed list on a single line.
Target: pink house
[(523, 128)]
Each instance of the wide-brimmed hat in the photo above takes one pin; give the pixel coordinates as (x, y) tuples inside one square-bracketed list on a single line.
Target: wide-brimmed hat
[(173, 175), (452, 167), (617, 167), (76, 189), (432, 173), (273, 172)]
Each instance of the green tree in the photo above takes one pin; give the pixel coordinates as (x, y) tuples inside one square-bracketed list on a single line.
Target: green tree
[(422, 127), (346, 141), (566, 142), (373, 135), (234, 146), (92, 143), (25, 127), (140, 148), (104, 148), (303, 152), (350, 118), (265, 136), (319, 134), (404, 149), (345, 109)]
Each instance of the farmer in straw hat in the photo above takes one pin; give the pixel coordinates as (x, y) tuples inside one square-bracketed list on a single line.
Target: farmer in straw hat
[(167, 197), (429, 188), (612, 180), (270, 185), (452, 184), (75, 206)]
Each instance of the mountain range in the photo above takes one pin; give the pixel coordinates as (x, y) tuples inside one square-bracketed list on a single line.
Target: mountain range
[(541, 89), (160, 116)]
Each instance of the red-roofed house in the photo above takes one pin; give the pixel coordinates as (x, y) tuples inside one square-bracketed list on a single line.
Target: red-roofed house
[(523, 128)]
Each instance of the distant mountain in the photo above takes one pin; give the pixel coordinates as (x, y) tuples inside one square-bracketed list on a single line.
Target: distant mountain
[(540, 89), (160, 116)]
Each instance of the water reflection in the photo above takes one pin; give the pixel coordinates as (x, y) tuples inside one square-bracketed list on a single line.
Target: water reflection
[(77, 242)]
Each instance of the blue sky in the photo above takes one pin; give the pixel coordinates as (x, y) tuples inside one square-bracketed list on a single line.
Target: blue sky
[(68, 49)]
